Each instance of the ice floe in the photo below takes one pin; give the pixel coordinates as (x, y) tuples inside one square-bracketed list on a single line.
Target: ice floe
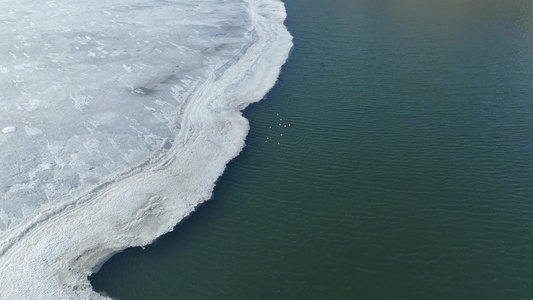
[(9, 129)]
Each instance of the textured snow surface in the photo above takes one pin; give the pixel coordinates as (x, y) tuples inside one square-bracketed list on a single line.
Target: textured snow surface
[(97, 86), (118, 117)]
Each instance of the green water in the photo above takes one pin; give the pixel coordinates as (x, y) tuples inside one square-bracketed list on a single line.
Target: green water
[(404, 168)]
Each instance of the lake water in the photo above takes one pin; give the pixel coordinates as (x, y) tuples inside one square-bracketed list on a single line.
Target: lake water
[(393, 160)]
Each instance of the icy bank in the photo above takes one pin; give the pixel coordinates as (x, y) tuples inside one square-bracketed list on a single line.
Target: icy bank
[(150, 94)]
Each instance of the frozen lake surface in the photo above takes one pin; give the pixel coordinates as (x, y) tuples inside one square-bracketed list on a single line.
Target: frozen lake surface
[(117, 118), (94, 88)]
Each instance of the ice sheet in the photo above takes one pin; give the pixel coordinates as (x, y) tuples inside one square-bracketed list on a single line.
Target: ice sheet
[(94, 87), (118, 117)]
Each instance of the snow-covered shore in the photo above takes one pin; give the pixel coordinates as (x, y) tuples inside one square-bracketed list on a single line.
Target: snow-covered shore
[(49, 254)]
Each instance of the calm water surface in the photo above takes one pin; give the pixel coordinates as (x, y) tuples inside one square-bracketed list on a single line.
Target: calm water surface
[(393, 160)]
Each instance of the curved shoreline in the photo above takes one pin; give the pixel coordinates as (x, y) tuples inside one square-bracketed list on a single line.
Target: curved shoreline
[(52, 255)]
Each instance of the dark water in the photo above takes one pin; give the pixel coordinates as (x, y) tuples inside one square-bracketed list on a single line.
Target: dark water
[(404, 168)]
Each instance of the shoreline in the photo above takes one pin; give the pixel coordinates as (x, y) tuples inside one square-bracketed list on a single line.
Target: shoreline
[(52, 255)]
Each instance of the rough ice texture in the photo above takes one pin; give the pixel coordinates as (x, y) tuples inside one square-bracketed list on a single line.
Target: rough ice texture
[(98, 86), (126, 113)]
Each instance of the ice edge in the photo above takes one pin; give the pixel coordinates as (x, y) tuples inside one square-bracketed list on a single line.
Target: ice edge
[(51, 256)]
